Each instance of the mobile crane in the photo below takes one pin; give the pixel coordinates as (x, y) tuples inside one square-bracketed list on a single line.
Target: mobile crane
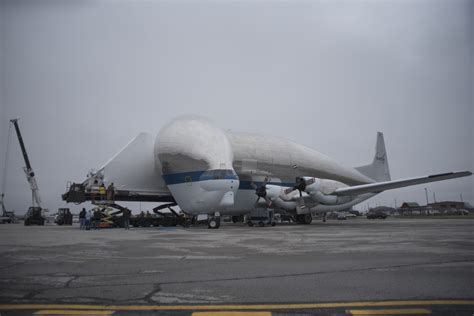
[(34, 216)]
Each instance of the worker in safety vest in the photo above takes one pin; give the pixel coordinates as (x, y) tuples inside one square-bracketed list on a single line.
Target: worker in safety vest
[(102, 192)]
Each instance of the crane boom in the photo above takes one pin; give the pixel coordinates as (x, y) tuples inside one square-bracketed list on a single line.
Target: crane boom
[(22, 144), (30, 175)]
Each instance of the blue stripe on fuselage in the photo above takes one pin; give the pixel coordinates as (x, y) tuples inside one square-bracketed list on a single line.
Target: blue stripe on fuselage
[(247, 185), (195, 176), (216, 174)]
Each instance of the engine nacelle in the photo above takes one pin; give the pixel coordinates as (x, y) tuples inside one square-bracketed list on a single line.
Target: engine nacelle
[(275, 194), (321, 191)]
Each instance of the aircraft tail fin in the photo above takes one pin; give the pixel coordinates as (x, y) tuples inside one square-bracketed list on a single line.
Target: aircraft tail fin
[(378, 170)]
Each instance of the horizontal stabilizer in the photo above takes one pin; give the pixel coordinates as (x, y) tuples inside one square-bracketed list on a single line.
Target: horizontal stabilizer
[(388, 185)]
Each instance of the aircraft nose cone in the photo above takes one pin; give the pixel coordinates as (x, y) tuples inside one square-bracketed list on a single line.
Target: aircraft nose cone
[(227, 199)]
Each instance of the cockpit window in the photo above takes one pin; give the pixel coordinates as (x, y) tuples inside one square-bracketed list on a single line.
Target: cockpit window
[(217, 174)]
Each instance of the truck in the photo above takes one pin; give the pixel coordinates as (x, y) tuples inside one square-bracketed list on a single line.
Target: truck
[(64, 217), (261, 217), (34, 216)]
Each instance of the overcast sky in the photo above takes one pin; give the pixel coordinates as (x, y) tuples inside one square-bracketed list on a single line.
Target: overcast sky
[(85, 77)]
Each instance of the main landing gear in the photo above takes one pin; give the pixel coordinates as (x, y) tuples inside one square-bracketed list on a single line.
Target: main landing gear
[(304, 219), (214, 221), (238, 219)]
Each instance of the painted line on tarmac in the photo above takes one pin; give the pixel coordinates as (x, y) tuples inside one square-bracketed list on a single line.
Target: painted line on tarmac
[(401, 311), (232, 313), (264, 307), (72, 312)]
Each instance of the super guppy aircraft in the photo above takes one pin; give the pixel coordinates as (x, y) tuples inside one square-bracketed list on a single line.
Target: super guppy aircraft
[(206, 170)]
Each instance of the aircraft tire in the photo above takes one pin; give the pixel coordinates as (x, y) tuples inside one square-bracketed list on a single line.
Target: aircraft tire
[(307, 219), (213, 223)]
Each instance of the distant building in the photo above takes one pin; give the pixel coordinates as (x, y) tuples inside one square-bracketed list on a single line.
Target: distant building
[(452, 207), (410, 208), (449, 204), (444, 207), (410, 205)]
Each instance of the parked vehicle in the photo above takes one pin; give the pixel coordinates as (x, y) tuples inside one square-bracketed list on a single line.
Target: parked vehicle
[(64, 217), (34, 216), (377, 215), (261, 217), (341, 216)]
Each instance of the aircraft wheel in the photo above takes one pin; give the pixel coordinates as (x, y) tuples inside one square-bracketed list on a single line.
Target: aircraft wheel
[(273, 224), (213, 223), (307, 219)]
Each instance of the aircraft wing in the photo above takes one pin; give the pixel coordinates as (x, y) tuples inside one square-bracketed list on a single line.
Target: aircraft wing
[(388, 185)]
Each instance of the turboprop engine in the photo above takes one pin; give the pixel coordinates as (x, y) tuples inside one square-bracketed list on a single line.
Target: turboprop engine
[(195, 158)]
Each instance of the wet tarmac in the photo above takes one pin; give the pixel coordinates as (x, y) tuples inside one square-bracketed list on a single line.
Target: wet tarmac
[(282, 269)]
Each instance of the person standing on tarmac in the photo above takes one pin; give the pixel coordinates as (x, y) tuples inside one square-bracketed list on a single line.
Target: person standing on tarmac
[(126, 218), (88, 219), (82, 219)]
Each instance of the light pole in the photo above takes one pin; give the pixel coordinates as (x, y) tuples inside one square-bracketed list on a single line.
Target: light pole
[(426, 193)]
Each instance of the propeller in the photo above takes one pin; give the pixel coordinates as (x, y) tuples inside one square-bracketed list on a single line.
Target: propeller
[(300, 184), (261, 191)]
